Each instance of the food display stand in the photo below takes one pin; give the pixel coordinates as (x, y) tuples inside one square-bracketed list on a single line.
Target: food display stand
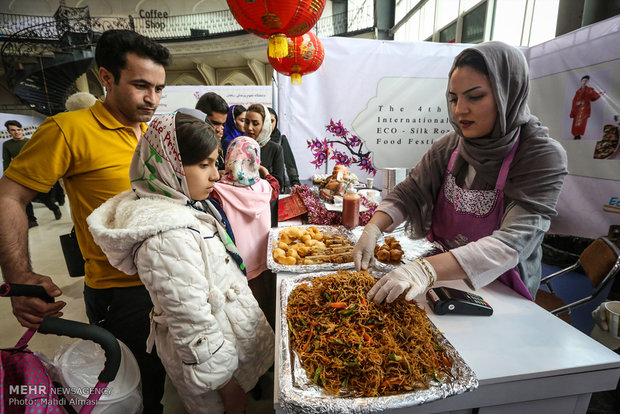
[(525, 359)]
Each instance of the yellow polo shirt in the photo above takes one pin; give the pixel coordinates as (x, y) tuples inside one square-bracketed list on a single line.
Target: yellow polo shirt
[(91, 151)]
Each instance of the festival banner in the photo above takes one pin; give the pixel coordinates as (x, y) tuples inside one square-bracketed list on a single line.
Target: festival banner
[(371, 105), (186, 96)]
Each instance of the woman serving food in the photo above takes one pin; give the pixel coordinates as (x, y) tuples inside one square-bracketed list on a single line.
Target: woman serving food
[(485, 192)]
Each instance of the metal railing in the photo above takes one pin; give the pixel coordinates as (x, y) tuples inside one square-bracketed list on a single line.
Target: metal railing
[(181, 27)]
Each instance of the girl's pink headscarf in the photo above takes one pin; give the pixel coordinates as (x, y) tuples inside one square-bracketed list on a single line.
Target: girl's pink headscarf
[(242, 162)]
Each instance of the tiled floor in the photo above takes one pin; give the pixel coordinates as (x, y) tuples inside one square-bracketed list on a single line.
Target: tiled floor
[(47, 258)]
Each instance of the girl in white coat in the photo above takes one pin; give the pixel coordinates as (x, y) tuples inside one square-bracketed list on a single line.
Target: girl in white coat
[(210, 334)]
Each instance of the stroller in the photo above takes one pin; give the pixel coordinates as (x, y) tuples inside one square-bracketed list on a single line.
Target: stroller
[(25, 385)]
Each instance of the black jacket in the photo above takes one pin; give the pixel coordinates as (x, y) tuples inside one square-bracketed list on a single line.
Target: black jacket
[(289, 159), (272, 159)]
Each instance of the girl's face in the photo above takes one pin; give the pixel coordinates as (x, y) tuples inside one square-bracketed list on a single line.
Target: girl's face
[(253, 124), (201, 177), (240, 121), (472, 102)]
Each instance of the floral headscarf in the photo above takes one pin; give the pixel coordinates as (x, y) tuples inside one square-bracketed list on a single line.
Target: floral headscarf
[(157, 171), (265, 133), (242, 162), (156, 168)]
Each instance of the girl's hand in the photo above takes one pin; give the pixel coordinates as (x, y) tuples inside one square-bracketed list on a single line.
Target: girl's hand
[(233, 397), (264, 172)]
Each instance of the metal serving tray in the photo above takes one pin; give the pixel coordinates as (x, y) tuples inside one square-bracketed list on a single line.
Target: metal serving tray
[(299, 395)]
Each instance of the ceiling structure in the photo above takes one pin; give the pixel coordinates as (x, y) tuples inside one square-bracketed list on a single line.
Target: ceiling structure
[(234, 60)]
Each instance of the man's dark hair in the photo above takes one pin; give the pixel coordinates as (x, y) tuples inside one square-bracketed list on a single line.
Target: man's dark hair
[(585, 77), (212, 102), (13, 122), (113, 46)]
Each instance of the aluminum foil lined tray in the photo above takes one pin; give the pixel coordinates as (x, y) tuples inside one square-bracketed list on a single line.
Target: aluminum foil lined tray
[(299, 395), (329, 230)]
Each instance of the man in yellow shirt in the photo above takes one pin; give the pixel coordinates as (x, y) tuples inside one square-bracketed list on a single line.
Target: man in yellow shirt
[(91, 149)]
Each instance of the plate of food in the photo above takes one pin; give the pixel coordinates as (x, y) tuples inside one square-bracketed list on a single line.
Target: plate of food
[(341, 353), (308, 248)]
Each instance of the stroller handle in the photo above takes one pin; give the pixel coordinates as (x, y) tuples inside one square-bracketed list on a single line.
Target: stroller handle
[(95, 333), (16, 289)]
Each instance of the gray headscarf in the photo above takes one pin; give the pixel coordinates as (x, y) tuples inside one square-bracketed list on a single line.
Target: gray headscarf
[(510, 83), (537, 171)]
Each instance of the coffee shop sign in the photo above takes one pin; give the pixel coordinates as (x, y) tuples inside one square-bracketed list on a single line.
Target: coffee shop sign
[(151, 15)]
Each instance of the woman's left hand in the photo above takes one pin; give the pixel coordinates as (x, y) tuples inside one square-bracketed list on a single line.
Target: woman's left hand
[(413, 277), (263, 171)]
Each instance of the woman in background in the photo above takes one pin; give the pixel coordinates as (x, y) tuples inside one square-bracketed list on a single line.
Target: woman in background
[(258, 127), (234, 125), (245, 198), (289, 158)]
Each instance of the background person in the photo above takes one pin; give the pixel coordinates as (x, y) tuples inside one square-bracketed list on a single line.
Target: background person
[(216, 109), (10, 150), (292, 176), (485, 192), (234, 125), (209, 331), (258, 127), (245, 198), (91, 149)]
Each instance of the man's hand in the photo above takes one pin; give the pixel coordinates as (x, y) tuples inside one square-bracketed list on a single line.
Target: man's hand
[(233, 397), (31, 311)]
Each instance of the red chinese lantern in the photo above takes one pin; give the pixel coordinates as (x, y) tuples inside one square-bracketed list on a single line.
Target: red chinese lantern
[(305, 55), (277, 19)]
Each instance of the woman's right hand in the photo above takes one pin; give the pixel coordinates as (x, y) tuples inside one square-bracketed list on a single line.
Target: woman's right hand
[(364, 250), (233, 397)]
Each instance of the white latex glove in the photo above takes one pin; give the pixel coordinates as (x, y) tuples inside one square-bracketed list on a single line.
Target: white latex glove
[(414, 276), (600, 317), (364, 250)]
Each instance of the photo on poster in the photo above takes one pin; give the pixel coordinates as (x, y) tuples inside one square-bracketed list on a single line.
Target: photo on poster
[(589, 105)]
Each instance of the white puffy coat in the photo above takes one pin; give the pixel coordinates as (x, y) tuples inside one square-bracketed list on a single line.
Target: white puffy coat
[(205, 322)]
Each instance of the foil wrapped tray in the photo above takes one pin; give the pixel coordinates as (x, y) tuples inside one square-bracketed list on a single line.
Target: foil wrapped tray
[(299, 395), (330, 230)]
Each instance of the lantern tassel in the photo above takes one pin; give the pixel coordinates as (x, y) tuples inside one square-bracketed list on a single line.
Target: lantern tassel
[(296, 78), (278, 46)]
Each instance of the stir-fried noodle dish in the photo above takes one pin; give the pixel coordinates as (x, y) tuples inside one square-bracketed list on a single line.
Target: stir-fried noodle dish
[(350, 345)]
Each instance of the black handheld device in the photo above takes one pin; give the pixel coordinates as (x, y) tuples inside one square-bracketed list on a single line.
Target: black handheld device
[(444, 300)]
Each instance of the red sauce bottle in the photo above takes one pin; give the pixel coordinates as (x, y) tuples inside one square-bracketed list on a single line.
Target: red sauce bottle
[(351, 209)]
